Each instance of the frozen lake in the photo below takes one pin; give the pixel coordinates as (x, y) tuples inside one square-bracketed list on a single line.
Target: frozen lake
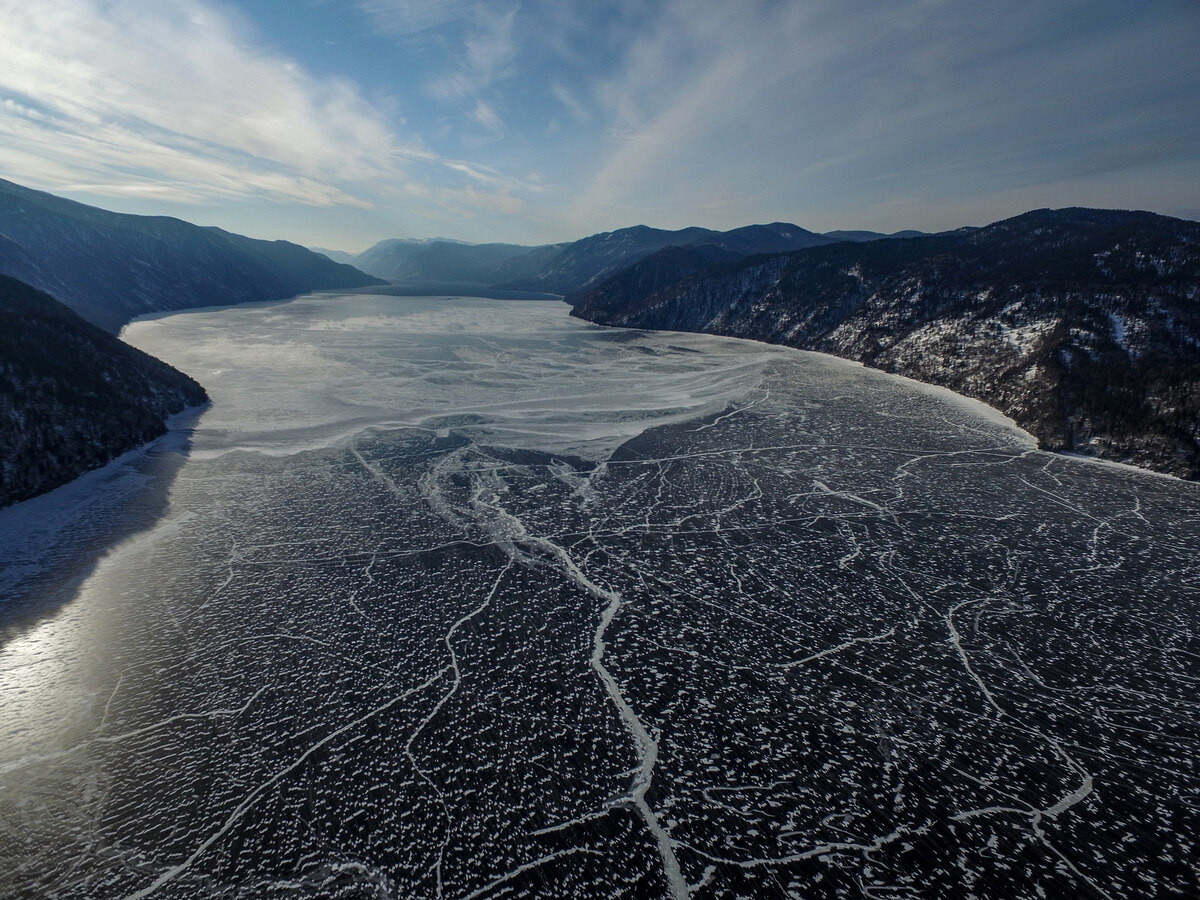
[(454, 598)]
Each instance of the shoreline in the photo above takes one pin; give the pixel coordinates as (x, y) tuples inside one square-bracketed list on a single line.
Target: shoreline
[(37, 528), (972, 405), (986, 411)]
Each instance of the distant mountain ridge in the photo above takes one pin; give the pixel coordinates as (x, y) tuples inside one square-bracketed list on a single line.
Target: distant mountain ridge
[(338, 256), (110, 267), (861, 236), (437, 260), (565, 267), (587, 261), (72, 396), (1082, 325)]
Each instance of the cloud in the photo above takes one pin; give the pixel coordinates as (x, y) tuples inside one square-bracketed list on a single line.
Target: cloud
[(486, 117), (573, 104), (176, 97), (488, 49), (581, 117), (180, 101), (727, 109), (408, 18), (465, 47)]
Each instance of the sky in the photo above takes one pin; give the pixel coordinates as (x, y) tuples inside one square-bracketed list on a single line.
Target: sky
[(338, 123)]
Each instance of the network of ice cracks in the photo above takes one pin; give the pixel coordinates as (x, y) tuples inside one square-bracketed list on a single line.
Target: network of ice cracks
[(465, 599)]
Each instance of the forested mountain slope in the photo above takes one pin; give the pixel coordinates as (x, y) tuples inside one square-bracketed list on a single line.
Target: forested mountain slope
[(110, 267), (73, 396), (1082, 325)]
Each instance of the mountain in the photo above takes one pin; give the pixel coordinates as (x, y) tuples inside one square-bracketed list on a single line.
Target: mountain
[(1082, 325), (391, 256), (778, 237), (338, 256), (72, 396), (438, 260), (110, 267), (648, 277), (862, 236), (558, 269), (577, 265)]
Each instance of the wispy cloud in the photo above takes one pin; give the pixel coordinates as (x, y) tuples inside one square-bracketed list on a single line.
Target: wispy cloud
[(174, 97), (408, 18), (180, 101), (488, 48), (574, 105), (787, 108), (486, 117), (577, 117)]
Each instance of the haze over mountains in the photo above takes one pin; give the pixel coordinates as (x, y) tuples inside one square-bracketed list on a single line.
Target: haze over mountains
[(562, 268)]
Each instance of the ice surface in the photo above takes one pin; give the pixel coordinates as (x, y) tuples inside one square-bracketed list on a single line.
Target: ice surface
[(465, 599), (311, 373)]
